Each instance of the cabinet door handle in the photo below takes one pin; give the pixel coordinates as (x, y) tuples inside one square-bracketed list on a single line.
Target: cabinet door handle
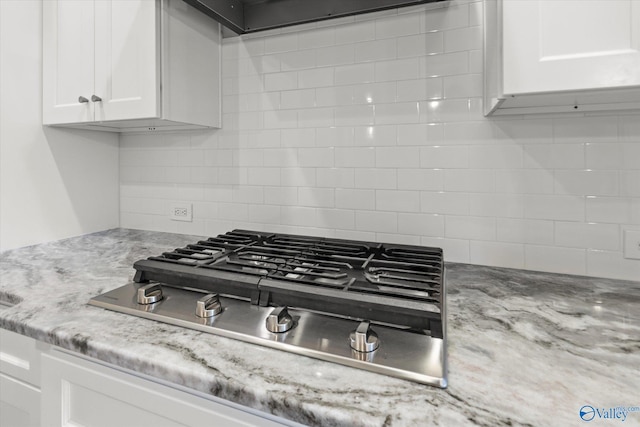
[(82, 99), (95, 98)]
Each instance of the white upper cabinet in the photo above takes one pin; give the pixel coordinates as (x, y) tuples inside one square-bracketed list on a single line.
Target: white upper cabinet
[(561, 55), (130, 65)]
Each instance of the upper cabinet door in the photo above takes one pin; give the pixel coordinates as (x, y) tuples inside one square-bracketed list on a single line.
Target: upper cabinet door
[(68, 61), (127, 60), (563, 45)]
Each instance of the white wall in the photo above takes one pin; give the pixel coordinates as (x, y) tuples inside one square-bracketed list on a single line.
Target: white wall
[(371, 128), (54, 183)]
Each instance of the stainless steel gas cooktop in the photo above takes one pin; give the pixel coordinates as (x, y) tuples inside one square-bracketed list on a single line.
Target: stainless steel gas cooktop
[(374, 306)]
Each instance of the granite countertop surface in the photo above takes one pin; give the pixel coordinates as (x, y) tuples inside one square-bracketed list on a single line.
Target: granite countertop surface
[(525, 348)]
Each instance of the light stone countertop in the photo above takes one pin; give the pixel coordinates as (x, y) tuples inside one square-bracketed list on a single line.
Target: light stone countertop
[(525, 348)]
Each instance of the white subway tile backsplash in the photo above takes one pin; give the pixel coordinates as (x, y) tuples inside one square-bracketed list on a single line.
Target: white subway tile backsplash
[(281, 43), (420, 44), (263, 176), (335, 55), (495, 157), (470, 227), (469, 180), (396, 69), (561, 208), (317, 37), (335, 177), (587, 129), (335, 136), (354, 115), (284, 196), (329, 96), (555, 259), (281, 81), (303, 98), (610, 264), (420, 179), (396, 26), (352, 74), (376, 50), (446, 18), (355, 199), (356, 32), (397, 201), (631, 155), (298, 177), (298, 137), (587, 235), (462, 86), (373, 93), (444, 203), (463, 39), (397, 157), (629, 183), (555, 156), (343, 219), (605, 155), (524, 181), (446, 64), (319, 77), (616, 210), (382, 135), (319, 197), (420, 134), (382, 222), (316, 117), (264, 214), (421, 224), (397, 113), (376, 178), (496, 205), (454, 250), (297, 60), (371, 128), (497, 253), (445, 157), (587, 182), (538, 232), (355, 157)]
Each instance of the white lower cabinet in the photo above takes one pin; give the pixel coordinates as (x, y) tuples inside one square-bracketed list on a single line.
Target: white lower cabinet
[(41, 385), (19, 403), (79, 392), (19, 380)]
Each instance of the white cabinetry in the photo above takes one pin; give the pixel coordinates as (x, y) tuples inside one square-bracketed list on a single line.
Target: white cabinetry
[(19, 380), (131, 65), (561, 55), (79, 392)]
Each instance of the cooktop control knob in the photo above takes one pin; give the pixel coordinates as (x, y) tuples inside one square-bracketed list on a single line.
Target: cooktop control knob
[(364, 339), (279, 320), (149, 294), (208, 306)]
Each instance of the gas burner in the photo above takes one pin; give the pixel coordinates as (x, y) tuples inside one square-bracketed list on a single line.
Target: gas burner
[(376, 306)]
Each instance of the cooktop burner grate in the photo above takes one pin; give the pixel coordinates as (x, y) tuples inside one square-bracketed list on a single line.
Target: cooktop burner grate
[(375, 306), (394, 284)]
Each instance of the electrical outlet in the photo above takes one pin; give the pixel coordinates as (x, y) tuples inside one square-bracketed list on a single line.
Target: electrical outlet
[(632, 244), (180, 211)]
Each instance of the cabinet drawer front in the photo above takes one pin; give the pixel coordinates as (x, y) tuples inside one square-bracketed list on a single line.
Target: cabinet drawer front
[(19, 357), (82, 393), (19, 403)]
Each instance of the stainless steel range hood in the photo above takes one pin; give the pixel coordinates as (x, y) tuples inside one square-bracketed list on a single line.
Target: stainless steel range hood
[(248, 16)]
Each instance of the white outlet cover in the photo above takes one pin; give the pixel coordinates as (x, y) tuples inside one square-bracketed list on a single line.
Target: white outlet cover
[(632, 244), (181, 211)]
